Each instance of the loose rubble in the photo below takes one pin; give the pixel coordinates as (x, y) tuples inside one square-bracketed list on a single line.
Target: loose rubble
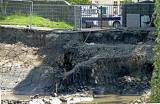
[(69, 64), (143, 99), (69, 99)]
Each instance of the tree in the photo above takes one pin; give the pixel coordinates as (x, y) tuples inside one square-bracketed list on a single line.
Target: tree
[(155, 82)]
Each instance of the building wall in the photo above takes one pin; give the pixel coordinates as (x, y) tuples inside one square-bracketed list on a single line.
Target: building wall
[(137, 8), (111, 1), (106, 1)]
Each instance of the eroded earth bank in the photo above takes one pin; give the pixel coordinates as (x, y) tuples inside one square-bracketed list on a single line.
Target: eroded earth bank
[(100, 62)]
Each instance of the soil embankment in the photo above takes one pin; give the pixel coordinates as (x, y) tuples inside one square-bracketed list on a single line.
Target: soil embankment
[(106, 61)]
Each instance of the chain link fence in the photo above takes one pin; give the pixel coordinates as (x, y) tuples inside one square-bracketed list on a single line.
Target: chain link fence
[(9, 10), (138, 15), (116, 16), (53, 13), (100, 16), (76, 16)]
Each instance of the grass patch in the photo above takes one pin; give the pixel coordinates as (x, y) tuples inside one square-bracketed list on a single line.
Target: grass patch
[(36, 21)]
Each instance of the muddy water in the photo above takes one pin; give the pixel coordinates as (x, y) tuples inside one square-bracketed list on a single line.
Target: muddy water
[(11, 96), (119, 99), (99, 99)]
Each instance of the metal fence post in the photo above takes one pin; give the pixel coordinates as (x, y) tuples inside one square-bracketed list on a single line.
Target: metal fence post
[(31, 12), (75, 18), (101, 17), (80, 17)]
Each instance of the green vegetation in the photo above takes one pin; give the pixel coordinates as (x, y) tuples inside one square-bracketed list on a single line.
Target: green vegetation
[(155, 82), (127, 1), (78, 1), (36, 21)]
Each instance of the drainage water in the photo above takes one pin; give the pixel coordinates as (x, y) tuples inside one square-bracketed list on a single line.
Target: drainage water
[(99, 99), (111, 98)]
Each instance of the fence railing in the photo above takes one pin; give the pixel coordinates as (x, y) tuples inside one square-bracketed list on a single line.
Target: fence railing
[(138, 15), (50, 14), (94, 16), (126, 15), (34, 14), (10, 11)]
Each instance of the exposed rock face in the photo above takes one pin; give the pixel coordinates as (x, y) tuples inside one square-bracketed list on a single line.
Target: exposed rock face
[(116, 68), (108, 62)]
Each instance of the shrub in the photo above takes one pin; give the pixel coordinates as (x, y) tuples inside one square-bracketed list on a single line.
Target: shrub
[(155, 82)]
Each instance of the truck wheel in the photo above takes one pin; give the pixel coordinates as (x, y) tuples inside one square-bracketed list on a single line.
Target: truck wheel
[(116, 24)]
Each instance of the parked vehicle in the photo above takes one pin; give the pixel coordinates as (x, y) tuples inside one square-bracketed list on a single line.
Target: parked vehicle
[(88, 11), (101, 15), (116, 23)]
